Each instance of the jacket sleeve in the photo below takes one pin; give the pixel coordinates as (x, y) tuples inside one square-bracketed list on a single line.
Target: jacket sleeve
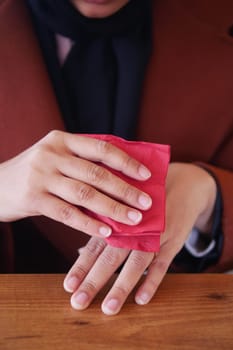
[(225, 180), (222, 169)]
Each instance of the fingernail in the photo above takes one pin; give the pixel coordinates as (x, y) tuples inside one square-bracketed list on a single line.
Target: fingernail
[(111, 307), (135, 216), (145, 201), (144, 172), (71, 284), (79, 301), (142, 299), (105, 231)]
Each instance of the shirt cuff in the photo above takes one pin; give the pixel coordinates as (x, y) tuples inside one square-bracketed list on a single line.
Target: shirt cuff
[(197, 244)]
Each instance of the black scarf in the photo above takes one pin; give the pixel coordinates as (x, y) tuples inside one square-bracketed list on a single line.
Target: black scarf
[(99, 85)]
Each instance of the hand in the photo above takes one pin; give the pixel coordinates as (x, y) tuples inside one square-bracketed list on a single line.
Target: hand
[(191, 193), (57, 176)]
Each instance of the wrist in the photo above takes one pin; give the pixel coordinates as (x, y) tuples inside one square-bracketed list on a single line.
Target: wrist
[(204, 221)]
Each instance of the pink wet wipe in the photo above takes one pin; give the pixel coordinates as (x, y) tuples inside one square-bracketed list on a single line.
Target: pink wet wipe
[(146, 235)]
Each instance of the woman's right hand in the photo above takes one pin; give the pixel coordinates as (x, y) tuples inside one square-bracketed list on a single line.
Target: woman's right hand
[(58, 174)]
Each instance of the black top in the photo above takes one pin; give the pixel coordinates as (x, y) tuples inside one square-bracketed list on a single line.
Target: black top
[(99, 85)]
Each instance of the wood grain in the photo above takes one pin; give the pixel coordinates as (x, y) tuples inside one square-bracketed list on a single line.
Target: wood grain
[(188, 312)]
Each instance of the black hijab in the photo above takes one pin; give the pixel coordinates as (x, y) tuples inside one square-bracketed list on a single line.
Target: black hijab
[(99, 85)]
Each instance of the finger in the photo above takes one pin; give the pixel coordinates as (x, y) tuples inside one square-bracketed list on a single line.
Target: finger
[(155, 274), (69, 215), (79, 193), (105, 266), (133, 270), (102, 151), (104, 180), (88, 255)]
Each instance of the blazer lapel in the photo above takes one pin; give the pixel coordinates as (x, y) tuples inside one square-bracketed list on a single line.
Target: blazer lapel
[(28, 107)]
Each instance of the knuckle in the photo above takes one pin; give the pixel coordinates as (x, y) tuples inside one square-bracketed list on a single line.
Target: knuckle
[(37, 155), (103, 147), (40, 157), (84, 193), (110, 258), (46, 145), (90, 286), (66, 213), (95, 247), (80, 271), (116, 209), (122, 290), (128, 192), (96, 174), (53, 135), (127, 162), (139, 261)]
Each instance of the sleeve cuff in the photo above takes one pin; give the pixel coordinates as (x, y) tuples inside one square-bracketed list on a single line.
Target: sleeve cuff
[(197, 245)]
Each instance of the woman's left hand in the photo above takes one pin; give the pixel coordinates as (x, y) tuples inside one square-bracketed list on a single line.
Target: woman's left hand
[(191, 193)]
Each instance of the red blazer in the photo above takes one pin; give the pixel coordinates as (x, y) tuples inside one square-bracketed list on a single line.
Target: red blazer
[(187, 101)]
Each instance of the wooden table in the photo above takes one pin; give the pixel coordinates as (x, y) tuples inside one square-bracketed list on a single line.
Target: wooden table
[(188, 312)]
